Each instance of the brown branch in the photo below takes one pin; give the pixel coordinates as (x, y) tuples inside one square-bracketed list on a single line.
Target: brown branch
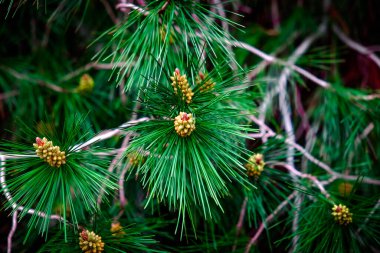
[(239, 225), (12, 231), (4, 96), (267, 220)]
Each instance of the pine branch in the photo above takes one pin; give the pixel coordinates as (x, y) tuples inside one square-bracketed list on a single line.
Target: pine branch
[(334, 175)]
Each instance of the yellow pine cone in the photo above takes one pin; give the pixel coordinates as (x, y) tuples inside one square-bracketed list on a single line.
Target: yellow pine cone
[(86, 84), (116, 229), (342, 214), (255, 165), (135, 158), (163, 30), (184, 124), (89, 242), (180, 82), (49, 153), (207, 85), (345, 188)]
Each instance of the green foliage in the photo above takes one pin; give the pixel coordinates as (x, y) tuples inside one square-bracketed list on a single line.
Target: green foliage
[(165, 35), (33, 183), (190, 193), (190, 171)]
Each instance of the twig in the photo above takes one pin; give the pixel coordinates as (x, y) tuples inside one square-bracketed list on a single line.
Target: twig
[(9, 94), (109, 11), (368, 217), (239, 225), (220, 9), (114, 163), (121, 6), (32, 80), (109, 133), (123, 199), (365, 133), (311, 158), (312, 178), (285, 109), (356, 46), (261, 66), (12, 231), (275, 14), (267, 220), (273, 59), (89, 66), (9, 198)]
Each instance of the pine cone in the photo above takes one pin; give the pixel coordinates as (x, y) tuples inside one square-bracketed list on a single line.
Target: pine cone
[(207, 85), (163, 30), (116, 229), (49, 153), (135, 158), (255, 165), (89, 242), (342, 214), (86, 84), (180, 82), (184, 124)]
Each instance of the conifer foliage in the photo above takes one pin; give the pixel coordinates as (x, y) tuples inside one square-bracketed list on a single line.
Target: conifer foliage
[(188, 126)]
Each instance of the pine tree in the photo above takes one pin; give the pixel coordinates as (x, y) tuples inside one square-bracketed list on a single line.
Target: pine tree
[(163, 126)]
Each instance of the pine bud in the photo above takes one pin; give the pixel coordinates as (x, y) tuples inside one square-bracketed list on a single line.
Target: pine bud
[(135, 158), (89, 242), (342, 214), (49, 153), (180, 82), (116, 229), (163, 30), (184, 124), (255, 165), (86, 84), (207, 85), (345, 188)]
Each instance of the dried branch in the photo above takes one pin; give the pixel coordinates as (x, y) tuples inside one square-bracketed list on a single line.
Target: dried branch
[(267, 220), (239, 225), (273, 59), (356, 46), (12, 231)]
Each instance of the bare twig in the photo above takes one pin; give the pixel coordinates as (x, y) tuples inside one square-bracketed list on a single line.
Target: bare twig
[(89, 66), (9, 198), (312, 178), (12, 231), (239, 225), (9, 94), (267, 220), (109, 133), (32, 80), (109, 11), (311, 158), (356, 46), (273, 59), (123, 199), (122, 6), (377, 206)]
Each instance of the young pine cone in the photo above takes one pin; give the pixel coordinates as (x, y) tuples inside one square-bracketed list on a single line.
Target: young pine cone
[(49, 153), (180, 82), (89, 242), (184, 124), (255, 165), (207, 85), (342, 214)]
